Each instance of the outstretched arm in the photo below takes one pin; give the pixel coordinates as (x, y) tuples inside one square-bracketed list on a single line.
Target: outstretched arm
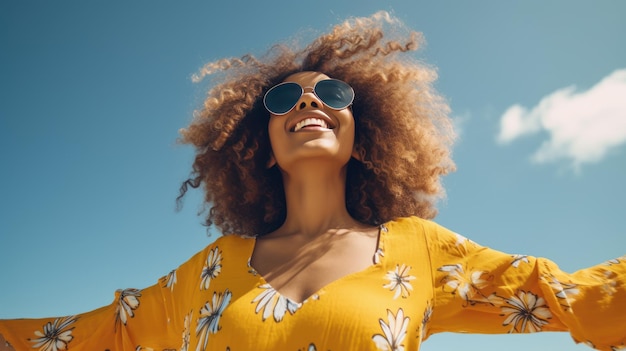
[(154, 317), (481, 290)]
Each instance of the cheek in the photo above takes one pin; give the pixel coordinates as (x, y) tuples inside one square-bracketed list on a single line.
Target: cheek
[(348, 140), (349, 126), (275, 133)]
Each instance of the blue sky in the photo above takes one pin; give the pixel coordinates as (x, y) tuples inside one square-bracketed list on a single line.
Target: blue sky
[(93, 94)]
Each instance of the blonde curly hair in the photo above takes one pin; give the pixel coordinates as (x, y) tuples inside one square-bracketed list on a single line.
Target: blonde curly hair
[(403, 132)]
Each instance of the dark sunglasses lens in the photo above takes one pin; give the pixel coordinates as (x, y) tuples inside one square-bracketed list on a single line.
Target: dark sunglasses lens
[(282, 98), (335, 93)]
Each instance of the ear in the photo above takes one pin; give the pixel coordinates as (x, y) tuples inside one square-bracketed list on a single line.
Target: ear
[(357, 152), (271, 162)]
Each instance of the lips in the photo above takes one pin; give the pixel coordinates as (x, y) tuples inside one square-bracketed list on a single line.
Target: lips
[(311, 122), (317, 121)]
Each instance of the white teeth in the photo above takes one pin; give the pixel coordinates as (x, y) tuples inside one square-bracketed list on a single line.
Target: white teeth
[(311, 122)]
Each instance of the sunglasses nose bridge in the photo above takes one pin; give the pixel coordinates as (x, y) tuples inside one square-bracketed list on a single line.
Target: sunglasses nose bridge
[(308, 99)]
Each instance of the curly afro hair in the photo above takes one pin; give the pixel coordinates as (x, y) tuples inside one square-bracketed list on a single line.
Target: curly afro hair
[(403, 132)]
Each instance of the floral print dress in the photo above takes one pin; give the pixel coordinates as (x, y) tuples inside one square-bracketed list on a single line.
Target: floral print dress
[(425, 279)]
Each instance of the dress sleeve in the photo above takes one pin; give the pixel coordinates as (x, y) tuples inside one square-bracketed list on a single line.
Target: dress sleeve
[(480, 290), (148, 319)]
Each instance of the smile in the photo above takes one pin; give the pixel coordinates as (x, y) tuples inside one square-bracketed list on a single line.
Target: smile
[(311, 122)]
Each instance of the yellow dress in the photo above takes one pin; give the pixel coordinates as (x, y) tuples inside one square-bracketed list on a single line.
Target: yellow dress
[(425, 279)]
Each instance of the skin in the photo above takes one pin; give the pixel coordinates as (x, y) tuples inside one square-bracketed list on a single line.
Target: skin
[(319, 241)]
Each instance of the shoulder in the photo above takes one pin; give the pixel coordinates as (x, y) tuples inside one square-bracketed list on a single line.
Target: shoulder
[(232, 240), (412, 224), (226, 245), (403, 236), (432, 232), (230, 245)]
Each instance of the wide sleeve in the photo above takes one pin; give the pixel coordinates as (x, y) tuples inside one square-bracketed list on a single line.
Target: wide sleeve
[(480, 290), (153, 318)]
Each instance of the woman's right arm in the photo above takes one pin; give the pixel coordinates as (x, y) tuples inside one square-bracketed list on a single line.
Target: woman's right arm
[(103, 328), (146, 316), (136, 319)]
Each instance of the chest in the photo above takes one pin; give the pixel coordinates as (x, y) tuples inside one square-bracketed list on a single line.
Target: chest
[(361, 311), (385, 305), (298, 271)]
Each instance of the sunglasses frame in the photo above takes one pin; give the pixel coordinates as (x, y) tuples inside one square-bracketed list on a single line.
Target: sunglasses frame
[(302, 93)]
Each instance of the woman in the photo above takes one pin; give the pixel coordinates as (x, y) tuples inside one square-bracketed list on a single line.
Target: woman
[(323, 166)]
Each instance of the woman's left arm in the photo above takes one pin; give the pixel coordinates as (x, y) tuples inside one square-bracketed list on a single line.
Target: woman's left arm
[(481, 290)]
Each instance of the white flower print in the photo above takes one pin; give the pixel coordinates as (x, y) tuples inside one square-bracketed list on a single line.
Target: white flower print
[(378, 255), (251, 269), (526, 313), (272, 303), (517, 259), (615, 261), (212, 268), (610, 283), (589, 343), (210, 313), (380, 252), (169, 280), (400, 281), (491, 299), (467, 285), (460, 239), (186, 332), (564, 291), (126, 304), (608, 280), (311, 347), (394, 332), (613, 348), (56, 335)]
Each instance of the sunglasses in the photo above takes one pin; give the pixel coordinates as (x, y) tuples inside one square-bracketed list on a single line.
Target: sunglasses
[(333, 93)]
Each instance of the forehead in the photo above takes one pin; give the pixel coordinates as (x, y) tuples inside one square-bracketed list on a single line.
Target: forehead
[(307, 78)]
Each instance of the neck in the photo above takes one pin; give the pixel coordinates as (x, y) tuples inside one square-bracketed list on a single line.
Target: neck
[(316, 201)]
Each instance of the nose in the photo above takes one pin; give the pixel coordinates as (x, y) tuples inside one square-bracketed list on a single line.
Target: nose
[(308, 100)]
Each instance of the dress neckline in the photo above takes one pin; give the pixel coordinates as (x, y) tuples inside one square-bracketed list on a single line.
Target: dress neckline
[(377, 258)]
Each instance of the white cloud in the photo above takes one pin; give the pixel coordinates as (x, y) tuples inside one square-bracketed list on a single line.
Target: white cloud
[(582, 127)]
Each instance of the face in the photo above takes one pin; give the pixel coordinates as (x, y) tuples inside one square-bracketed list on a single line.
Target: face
[(311, 130)]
